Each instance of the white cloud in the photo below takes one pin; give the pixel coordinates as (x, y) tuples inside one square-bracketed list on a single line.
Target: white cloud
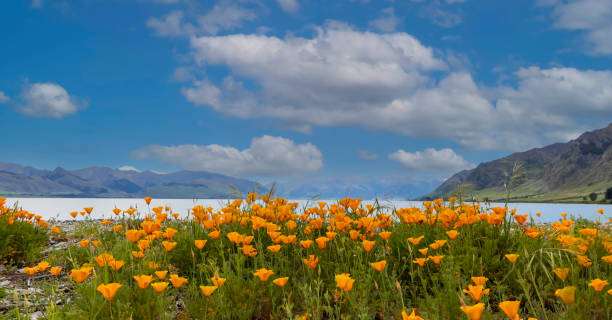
[(345, 77), (128, 168), (3, 97), (388, 22), (48, 100), (592, 17), (170, 25), (440, 16), (290, 6), (443, 161), (224, 15), (266, 156), (366, 155)]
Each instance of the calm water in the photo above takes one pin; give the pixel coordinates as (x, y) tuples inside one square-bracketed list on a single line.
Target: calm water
[(60, 208)]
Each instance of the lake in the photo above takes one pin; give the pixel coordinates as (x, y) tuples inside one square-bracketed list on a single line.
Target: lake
[(60, 208)]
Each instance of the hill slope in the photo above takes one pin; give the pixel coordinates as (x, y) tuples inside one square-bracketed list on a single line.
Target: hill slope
[(16, 180), (558, 172)]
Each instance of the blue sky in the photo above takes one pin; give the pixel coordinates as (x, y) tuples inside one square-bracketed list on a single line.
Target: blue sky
[(293, 88)]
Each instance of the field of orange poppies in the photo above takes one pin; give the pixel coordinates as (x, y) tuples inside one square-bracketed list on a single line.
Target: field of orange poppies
[(264, 258)]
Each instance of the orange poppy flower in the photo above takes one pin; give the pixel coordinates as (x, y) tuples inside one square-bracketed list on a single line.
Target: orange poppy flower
[(159, 287), (43, 265), (84, 243), (476, 292), (133, 235), (306, 243), (510, 308), (30, 271), (437, 244), (103, 259), (143, 280), (116, 264), (423, 251), (215, 234), (344, 282), (512, 257), (168, 245), (420, 261), (368, 245), (311, 262), (200, 243), (138, 254), (473, 312), (80, 275), (479, 281), (385, 235), (411, 316), (436, 259), (148, 200), (117, 228), (217, 281), (177, 281), (561, 273), (55, 271), (280, 281), (263, 274), (567, 294), (452, 234), (521, 218), (208, 290), (322, 242), (415, 241), (275, 248), (379, 266), (598, 284), (109, 290), (161, 275)]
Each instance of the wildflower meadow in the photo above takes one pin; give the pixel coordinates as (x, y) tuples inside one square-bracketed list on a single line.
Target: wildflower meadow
[(267, 258)]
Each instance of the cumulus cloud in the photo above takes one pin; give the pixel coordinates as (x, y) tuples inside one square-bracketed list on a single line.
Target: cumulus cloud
[(592, 17), (3, 97), (388, 22), (224, 15), (48, 100), (266, 156), (366, 155), (443, 161), (392, 82), (290, 6)]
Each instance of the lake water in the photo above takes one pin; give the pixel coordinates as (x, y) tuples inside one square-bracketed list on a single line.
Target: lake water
[(60, 208)]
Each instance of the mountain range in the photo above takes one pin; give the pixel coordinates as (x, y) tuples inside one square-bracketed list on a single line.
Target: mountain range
[(558, 172), (17, 180)]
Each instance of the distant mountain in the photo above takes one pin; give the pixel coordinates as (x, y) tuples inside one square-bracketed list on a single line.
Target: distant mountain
[(356, 187), (558, 172), (16, 180)]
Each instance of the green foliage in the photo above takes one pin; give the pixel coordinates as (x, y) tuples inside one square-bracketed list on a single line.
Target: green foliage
[(593, 196), (20, 242)]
